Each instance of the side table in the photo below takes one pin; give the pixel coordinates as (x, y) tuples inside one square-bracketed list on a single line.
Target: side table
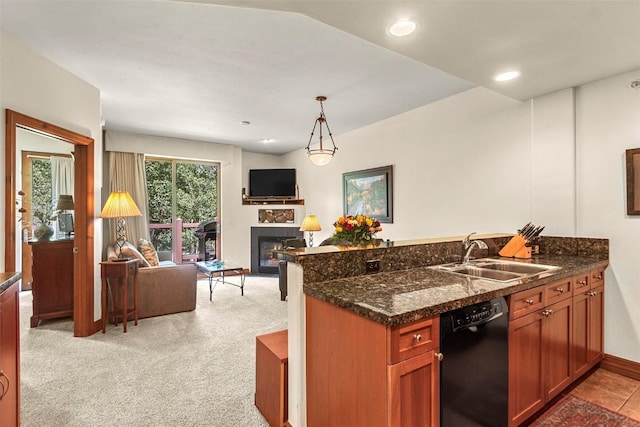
[(119, 272)]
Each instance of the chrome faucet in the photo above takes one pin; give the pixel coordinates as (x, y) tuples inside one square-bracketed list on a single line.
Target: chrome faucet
[(467, 247)]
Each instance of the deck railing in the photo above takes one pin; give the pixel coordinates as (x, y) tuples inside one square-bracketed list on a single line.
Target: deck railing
[(176, 227)]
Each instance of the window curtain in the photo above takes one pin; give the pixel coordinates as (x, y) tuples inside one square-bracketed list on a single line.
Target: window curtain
[(127, 173), (61, 177)]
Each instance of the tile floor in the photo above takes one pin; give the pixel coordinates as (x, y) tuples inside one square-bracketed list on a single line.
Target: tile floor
[(607, 389), (612, 391)]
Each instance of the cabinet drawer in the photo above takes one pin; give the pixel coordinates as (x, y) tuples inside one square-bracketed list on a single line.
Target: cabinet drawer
[(415, 338), (557, 291), (597, 277), (581, 284), (525, 302)]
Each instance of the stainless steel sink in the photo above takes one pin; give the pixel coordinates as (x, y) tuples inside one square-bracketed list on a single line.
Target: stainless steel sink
[(496, 269)]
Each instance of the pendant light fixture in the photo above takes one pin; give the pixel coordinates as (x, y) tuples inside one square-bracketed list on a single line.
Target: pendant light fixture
[(321, 155)]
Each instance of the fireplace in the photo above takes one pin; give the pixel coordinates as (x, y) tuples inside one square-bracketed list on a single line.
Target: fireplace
[(264, 240), (267, 260)]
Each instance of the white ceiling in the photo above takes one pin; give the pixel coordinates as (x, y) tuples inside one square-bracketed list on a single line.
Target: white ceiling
[(197, 69)]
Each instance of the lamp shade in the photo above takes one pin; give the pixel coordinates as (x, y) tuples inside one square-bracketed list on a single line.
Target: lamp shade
[(320, 157), (65, 202), (120, 204), (310, 223)]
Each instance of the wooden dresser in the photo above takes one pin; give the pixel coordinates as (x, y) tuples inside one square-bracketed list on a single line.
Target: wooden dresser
[(52, 280)]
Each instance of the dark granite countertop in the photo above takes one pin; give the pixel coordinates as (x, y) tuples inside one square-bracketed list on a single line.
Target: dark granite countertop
[(8, 279), (398, 297)]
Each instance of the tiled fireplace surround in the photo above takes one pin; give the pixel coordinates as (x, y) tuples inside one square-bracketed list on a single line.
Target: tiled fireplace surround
[(278, 233)]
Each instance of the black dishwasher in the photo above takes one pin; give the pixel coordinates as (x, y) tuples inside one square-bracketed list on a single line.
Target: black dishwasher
[(474, 376)]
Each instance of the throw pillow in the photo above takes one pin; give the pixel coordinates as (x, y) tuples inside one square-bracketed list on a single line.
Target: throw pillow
[(130, 251), (149, 252)]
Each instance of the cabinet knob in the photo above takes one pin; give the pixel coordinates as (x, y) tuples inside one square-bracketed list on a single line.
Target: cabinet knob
[(561, 290), (593, 293), (547, 313), (598, 276), (439, 356), (4, 388), (417, 338), (529, 301), (582, 282)]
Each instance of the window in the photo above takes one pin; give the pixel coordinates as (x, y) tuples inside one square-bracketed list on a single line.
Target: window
[(182, 195)]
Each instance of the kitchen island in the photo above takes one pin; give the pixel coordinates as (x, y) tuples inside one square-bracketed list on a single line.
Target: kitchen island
[(352, 336)]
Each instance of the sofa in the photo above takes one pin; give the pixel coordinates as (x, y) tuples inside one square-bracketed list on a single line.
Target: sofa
[(164, 289)]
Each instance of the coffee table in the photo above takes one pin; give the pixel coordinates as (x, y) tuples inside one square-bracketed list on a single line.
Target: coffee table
[(219, 269)]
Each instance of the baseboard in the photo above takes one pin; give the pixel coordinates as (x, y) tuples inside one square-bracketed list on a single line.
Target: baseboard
[(287, 424), (621, 366)]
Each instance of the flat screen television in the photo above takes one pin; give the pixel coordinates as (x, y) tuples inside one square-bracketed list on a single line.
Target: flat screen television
[(276, 183)]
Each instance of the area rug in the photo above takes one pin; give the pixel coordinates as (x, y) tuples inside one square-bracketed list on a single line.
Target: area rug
[(572, 411)]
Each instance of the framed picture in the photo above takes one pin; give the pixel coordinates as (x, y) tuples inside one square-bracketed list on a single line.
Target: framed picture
[(633, 181), (65, 223), (369, 192)]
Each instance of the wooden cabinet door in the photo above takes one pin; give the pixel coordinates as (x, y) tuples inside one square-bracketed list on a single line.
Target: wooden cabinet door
[(596, 323), (9, 357), (526, 386), (346, 367), (52, 280), (580, 356), (413, 393), (557, 347)]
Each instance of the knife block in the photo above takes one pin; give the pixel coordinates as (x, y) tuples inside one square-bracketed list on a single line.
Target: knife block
[(515, 248), (524, 252)]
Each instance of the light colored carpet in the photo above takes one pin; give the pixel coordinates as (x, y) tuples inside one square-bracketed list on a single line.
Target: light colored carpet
[(186, 369)]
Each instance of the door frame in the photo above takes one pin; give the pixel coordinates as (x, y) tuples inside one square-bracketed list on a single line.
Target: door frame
[(83, 262)]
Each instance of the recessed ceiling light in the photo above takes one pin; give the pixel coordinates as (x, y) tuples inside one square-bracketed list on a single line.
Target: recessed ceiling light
[(403, 27), (509, 75), (267, 140)]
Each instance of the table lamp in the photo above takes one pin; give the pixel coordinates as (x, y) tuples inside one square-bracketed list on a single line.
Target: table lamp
[(120, 205), (310, 223)]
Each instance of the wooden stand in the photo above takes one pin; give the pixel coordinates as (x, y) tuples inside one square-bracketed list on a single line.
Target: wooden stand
[(272, 377), (120, 273), (258, 201)]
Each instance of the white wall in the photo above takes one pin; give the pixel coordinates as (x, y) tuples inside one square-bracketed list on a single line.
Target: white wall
[(553, 168), (449, 158), (33, 85), (607, 124)]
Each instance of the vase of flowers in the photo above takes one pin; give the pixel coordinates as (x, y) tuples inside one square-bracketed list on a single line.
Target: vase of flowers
[(359, 230), (43, 232), (43, 215)]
